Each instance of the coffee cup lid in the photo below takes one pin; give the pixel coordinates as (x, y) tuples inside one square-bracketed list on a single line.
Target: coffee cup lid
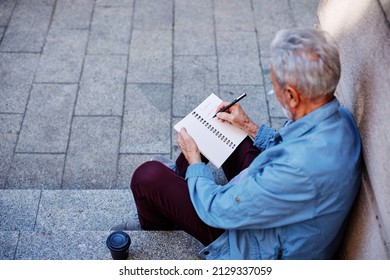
[(118, 240)]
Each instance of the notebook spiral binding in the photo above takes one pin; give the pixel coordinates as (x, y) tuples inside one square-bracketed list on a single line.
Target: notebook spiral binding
[(215, 131)]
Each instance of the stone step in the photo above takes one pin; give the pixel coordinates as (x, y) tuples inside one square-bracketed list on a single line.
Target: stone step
[(69, 209), (50, 210), (91, 245), (74, 224)]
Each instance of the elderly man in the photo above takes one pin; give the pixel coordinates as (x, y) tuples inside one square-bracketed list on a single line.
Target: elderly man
[(289, 192)]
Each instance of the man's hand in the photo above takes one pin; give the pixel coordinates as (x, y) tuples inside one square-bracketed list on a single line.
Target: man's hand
[(188, 147), (236, 116)]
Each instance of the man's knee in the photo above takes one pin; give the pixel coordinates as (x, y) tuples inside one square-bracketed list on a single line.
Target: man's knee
[(147, 174)]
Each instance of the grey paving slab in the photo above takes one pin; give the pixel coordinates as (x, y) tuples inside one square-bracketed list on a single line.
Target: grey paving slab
[(278, 123), (72, 14), (238, 58), (219, 175), (195, 78), (6, 8), (91, 245), (62, 245), (27, 28), (9, 130), (194, 28), (17, 73), (271, 19), (150, 58), (276, 114), (18, 209), (128, 163), (153, 15), (93, 153), (305, 12), (62, 57), (84, 209), (2, 30), (147, 119), (266, 66), (110, 30), (174, 147), (47, 119), (275, 109), (194, 42), (36, 2), (36, 171), (115, 3), (234, 15), (102, 85), (194, 15), (9, 241), (254, 103)]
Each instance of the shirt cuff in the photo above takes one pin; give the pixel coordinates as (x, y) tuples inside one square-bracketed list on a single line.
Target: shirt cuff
[(263, 136), (198, 170)]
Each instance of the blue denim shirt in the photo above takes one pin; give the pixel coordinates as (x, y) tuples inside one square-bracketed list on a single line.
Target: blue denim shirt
[(292, 201)]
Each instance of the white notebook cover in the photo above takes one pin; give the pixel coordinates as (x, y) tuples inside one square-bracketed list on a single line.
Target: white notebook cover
[(216, 140)]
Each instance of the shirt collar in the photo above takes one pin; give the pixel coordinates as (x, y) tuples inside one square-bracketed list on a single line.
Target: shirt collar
[(299, 127)]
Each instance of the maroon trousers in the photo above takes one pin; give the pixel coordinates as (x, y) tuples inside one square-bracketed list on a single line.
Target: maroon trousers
[(163, 201)]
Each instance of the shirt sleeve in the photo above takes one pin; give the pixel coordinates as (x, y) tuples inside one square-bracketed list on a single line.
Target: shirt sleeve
[(264, 136), (276, 195)]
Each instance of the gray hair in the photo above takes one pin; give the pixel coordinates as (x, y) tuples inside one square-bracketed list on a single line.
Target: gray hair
[(307, 59)]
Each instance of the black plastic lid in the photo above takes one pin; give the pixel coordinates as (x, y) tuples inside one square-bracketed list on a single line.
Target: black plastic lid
[(118, 241)]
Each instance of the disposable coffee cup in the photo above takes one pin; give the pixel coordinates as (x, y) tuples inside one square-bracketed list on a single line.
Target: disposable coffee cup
[(119, 242)]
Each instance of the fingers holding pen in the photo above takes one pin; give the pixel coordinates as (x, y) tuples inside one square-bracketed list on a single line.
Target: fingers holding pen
[(226, 117), (222, 106), (236, 116), (231, 115)]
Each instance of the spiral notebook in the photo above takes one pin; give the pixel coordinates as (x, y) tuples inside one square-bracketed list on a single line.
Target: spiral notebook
[(216, 140)]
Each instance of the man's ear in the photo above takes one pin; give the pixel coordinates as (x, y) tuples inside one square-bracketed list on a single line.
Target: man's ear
[(293, 98)]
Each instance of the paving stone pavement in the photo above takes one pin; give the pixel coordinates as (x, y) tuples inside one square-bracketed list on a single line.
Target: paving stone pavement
[(90, 89)]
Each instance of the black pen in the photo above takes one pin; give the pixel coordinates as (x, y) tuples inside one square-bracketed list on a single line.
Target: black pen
[(231, 104)]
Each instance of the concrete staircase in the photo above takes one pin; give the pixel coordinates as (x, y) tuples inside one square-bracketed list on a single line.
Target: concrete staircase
[(74, 225)]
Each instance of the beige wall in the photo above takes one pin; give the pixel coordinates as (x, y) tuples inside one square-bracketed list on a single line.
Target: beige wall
[(362, 31)]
